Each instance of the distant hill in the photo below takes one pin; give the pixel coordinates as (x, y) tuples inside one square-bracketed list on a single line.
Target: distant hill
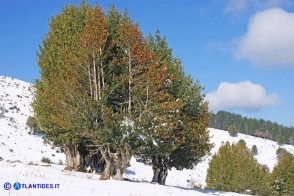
[(251, 126)]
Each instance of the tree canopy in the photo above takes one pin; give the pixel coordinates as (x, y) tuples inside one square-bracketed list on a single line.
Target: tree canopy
[(106, 90), (282, 177), (234, 169)]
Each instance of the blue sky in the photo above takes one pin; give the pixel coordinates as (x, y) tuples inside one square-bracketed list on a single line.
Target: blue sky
[(242, 51)]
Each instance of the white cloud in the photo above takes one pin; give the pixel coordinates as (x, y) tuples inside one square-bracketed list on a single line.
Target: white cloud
[(244, 96), (269, 40)]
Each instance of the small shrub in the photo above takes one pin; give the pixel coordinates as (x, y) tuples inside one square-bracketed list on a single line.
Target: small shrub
[(280, 139), (281, 152), (197, 186), (254, 150), (233, 131), (33, 125), (60, 162), (46, 160)]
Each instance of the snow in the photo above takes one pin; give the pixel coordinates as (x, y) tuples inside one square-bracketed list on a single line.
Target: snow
[(22, 153), (15, 141), (188, 178), (76, 183)]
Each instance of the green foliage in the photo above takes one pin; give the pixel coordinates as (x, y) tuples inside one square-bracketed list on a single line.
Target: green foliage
[(241, 141), (58, 100), (234, 169), (281, 152), (251, 126), (282, 177), (254, 150), (33, 125), (104, 85), (188, 140), (280, 139), (233, 131)]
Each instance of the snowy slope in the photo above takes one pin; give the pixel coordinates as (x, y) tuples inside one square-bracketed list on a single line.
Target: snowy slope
[(76, 183), (15, 141), (22, 154), (188, 178)]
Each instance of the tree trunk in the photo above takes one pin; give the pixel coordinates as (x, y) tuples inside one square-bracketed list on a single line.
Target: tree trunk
[(73, 157), (99, 83), (119, 172), (163, 173), (109, 163), (155, 168), (160, 170), (102, 70), (122, 160), (90, 81), (108, 170), (95, 77)]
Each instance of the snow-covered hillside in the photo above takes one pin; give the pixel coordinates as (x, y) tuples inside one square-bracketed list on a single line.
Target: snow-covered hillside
[(15, 141), (266, 156), (21, 154), (266, 150)]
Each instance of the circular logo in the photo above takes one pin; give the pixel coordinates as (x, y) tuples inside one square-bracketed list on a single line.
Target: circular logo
[(17, 186), (7, 186)]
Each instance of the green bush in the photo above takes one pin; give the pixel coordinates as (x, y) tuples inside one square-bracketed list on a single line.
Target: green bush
[(233, 131), (46, 160), (281, 152), (280, 139), (234, 169), (254, 150), (282, 177), (33, 125)]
